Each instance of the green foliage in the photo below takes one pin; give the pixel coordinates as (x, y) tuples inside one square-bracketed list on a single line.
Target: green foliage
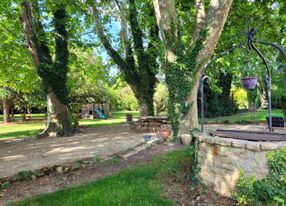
[(112, 161), (6, 185), (122, 98), (180, 80), (220, 103), (160, 99), (268, 191), (240, 97), (194, 148), (87, 77), (137, 186), (251, 95), (98, 159), (26, 175)]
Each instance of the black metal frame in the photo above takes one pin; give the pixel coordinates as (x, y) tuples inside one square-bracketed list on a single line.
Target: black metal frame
[(249, 41)]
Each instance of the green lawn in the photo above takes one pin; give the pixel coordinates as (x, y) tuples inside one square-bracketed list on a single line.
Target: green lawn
[(28, 129), (245, 117), (140, 186), (117, 118)]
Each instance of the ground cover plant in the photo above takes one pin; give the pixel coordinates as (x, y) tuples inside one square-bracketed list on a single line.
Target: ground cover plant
[(137, 186), (20, 129), (268, 191)]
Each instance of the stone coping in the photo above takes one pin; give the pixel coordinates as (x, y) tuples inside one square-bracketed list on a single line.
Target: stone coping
[(229, 142)]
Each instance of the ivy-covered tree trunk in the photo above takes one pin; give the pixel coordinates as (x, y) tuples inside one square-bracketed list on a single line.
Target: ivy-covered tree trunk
[(53, 74), (146, 106), (6, 110), (188, 60)]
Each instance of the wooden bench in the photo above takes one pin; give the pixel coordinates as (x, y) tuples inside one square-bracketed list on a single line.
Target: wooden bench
[(276, 121)]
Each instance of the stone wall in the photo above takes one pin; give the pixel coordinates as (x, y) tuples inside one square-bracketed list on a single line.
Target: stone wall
[(221, 160)]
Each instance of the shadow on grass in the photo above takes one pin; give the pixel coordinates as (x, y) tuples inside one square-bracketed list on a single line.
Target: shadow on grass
[(20, 134)]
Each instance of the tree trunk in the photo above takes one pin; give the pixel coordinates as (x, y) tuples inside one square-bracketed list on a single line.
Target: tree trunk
[(59, 122), (12, 110), (263, 98), (6, 110), (146, 106), (191, 119), (53, 74), (215, 19)]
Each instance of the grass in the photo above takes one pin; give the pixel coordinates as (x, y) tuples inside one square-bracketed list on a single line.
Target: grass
[(117, 118), (27, 129), (20, 129), (245, 117), (140, 186)]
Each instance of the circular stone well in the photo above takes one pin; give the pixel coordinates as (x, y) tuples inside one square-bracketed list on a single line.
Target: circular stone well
[(221, 159)]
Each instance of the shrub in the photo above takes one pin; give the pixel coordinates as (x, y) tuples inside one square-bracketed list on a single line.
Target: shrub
[(268, 191)]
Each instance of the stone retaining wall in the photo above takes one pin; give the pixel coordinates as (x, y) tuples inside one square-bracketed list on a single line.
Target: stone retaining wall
[(221, 160)]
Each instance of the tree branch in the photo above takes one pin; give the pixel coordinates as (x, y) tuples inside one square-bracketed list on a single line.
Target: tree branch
[(200, 20), (166, 16), (27, 20), (61, 40), (124, 34), (135, 30), (154, 31), (99, 31), (19, 95), (36, 43)]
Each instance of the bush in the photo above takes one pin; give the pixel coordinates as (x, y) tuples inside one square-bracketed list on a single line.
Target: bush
[(122, 99), (268, 191), (160, 99)]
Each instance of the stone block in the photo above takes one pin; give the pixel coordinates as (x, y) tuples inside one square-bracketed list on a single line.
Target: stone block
[(222, 141), (209, 139), (239, 143), (218, 170), (207, 176), (255, 146), (281, 144), (230, 151), (224, 163), (269, 145), (186, 139), (221, 186), (224, 184), (205, 161)]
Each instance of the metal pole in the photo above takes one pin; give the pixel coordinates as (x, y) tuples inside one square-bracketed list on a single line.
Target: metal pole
[(268, 82), (202, 101)]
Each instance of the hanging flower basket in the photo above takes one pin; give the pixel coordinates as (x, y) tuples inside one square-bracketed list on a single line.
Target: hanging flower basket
[(249, 82)]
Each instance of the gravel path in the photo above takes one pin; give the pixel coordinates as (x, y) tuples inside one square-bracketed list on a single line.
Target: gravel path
[(16, 156)]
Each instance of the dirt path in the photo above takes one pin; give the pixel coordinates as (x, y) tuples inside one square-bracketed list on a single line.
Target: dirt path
[(16, 156), (54, 182)]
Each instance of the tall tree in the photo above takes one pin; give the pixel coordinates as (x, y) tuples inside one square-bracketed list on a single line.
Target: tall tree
[(138, 61), (53, 73), (187, 60)]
